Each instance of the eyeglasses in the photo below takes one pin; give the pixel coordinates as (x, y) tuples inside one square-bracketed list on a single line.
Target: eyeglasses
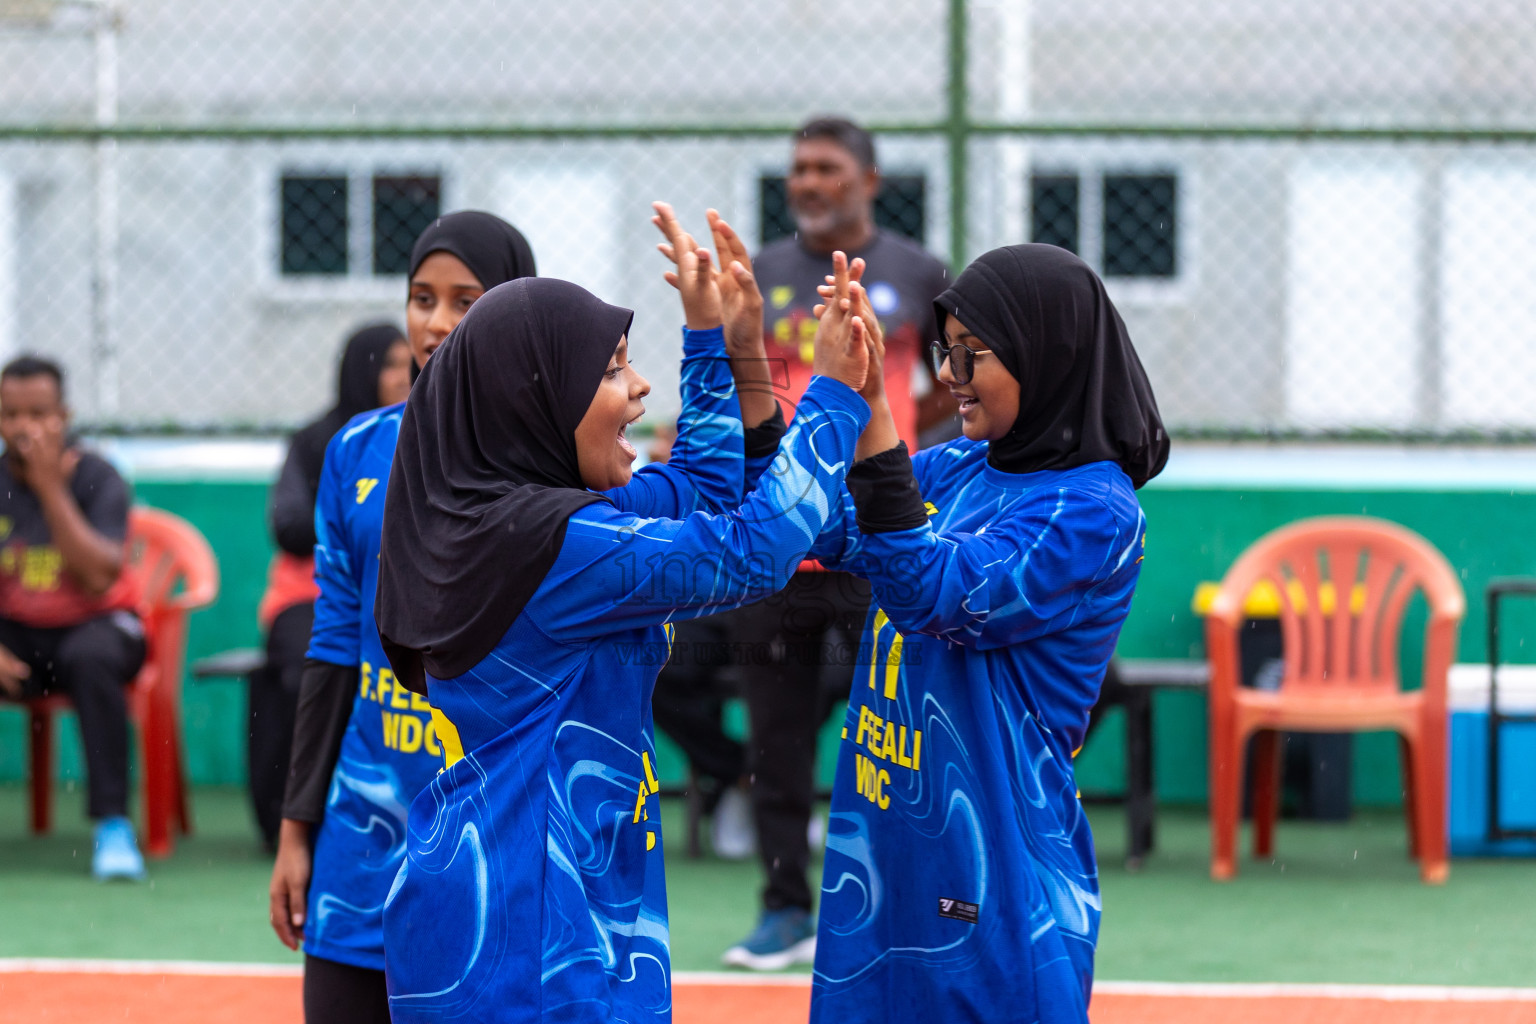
[(962, 360)]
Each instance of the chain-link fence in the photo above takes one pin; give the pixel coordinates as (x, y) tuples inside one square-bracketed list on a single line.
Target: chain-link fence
[(1317, 216)]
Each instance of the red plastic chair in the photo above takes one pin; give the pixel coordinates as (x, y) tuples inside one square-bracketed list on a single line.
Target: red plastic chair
[(1341, 670), (177, 573)]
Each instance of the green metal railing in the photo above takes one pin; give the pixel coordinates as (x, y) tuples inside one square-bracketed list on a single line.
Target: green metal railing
[(956, 128)]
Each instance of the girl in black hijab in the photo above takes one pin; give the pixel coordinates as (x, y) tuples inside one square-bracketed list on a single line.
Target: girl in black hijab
[(1002, 566), (528, 580), (374, 371), (363, 746)]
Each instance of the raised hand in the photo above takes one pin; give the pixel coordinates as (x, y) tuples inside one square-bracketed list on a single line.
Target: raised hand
[(858, 298), (47, 460), (741, 304), (695, 277), (842, 346)]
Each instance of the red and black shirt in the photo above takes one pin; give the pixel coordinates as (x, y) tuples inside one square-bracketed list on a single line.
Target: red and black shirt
[(35, 587)]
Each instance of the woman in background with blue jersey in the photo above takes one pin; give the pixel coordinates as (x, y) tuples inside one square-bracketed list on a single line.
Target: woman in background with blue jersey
[(527, 580), (960, 881), (363, 745)]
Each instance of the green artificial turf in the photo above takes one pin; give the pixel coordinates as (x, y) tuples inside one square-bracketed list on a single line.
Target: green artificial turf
[(1342, 903)]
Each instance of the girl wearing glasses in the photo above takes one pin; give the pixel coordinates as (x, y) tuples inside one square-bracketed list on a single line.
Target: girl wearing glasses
[(959, 880)]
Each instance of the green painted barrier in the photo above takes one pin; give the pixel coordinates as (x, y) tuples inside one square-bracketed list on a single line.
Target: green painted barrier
[(1194, 533)]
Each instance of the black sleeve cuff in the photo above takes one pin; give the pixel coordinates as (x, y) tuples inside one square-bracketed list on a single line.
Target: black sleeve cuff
[(326, 693), (885, 494), (763, 440)]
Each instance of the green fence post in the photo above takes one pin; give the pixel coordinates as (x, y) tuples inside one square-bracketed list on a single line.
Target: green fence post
[(957, 129)]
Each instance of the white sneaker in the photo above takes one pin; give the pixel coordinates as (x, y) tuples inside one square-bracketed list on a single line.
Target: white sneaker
[(731, 831)]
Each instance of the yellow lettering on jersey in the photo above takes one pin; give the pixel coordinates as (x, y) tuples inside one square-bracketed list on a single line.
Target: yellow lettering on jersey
[(931, 508), (365, 487), (391, 730), (410, 734), (893, 667), (874, 731), (888, 745), (641, 792), (650, 840), (448, 733), (418, 702), (901, 750), (881, 621), (917, 750), (399, 696), (367, 681), (650, 776), (429, 738), (871, 781)]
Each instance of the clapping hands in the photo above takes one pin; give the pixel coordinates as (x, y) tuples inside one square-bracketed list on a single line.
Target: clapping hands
[(856, 300), (711, 297), (728, 298), (842, 331)]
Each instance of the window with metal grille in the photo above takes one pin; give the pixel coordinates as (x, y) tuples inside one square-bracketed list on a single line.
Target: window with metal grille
[(1140, 224), (402, 209), (901, 207), (1053, 210), (314, 224)]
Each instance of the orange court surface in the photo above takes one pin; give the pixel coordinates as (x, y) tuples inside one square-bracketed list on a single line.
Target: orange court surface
[(87, 992)]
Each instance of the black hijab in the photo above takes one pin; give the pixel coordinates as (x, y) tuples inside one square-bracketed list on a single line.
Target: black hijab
[(357, 390), (1083, 395), (485, 473), (493, 250)]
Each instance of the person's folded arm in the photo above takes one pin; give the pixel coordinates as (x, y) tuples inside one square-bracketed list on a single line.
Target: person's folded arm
[(1027, 575)]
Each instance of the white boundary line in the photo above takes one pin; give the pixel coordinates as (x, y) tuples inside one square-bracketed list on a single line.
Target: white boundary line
[(1218, 990), (740, 978), (200, 968), (1272, 990)]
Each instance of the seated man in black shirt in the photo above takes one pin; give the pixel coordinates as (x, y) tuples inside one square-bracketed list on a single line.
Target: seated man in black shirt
[(66, 606)]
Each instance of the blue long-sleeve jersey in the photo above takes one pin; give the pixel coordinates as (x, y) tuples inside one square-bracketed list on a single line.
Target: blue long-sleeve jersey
[(390, 748), (392, 745), (533, 888), (960, 881)]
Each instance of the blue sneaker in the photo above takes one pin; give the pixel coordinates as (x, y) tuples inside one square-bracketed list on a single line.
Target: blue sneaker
[(781, 938), (117, 852)]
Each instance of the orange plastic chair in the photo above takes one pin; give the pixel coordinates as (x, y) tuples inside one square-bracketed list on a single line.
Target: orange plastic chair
[(177, 573), (1341, 670)]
